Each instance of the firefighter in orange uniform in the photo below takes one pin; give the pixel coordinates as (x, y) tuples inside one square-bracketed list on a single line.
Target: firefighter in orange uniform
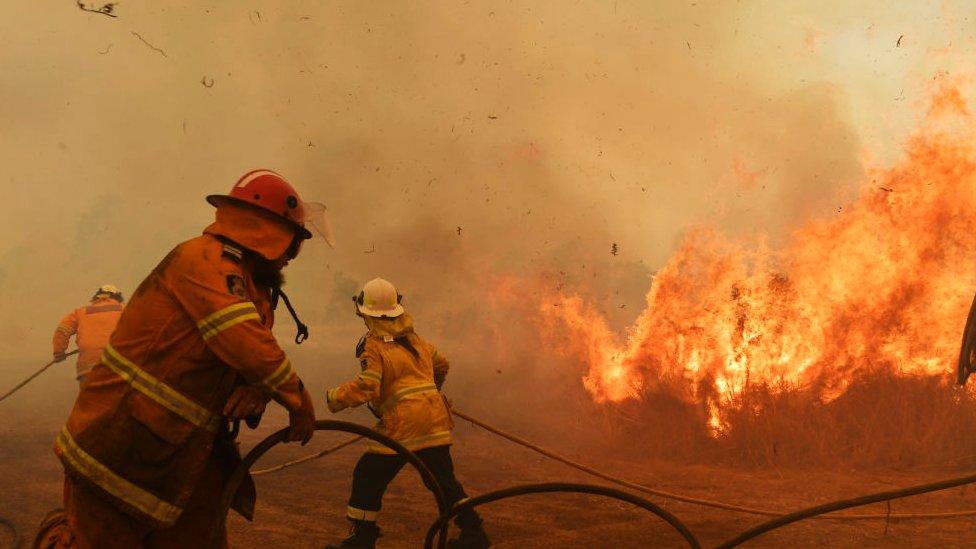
[(146, 448), (91, 325), (401, 378)]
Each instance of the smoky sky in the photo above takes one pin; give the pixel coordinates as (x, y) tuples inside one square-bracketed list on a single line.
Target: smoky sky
[(451, 142)]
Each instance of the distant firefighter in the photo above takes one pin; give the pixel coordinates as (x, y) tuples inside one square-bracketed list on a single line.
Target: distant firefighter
[(401, 378), (91, 326), (148, 446)]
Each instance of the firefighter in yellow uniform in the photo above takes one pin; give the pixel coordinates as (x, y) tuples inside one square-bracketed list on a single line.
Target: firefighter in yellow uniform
[(401, 378), (91, 327), (147, 448)]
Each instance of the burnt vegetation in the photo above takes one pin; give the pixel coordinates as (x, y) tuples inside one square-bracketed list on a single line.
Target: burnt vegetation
[(883, 420)]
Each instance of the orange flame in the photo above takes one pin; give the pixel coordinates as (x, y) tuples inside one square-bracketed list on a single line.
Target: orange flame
[(884, 285)]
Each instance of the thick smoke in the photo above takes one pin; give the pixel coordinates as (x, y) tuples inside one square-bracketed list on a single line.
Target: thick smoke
[(454, 145)]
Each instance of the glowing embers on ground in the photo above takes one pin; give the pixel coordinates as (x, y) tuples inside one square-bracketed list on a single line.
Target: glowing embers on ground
[(883, 286)]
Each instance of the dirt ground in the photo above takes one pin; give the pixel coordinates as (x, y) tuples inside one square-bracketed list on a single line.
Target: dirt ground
[(304, 506)]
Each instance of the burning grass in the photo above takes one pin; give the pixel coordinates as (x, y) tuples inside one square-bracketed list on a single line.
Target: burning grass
[(834, 347), (881, 420)]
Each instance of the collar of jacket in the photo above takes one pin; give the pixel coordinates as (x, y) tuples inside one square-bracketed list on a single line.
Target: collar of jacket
[(389, 329), (252, 228)]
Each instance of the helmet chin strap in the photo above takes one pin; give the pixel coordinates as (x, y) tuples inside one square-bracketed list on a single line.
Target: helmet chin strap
[(302, 329)]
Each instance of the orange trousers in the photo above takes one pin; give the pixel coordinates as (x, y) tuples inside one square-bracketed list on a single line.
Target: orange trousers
[(94, 522)]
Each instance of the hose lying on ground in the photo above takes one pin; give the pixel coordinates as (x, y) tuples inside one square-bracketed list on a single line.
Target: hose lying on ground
[(323, 453), (15, 536), (697, 501), (818, 510), (550, 487), (646, 489), (35, 374), (591, 471), (235, 479)]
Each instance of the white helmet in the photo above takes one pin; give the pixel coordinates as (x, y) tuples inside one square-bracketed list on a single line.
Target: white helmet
[(379, 299), (108, 290)]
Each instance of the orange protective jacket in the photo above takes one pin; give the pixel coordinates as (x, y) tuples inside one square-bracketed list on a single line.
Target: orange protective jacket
[(147, 419), (91, 325), (401, 377)]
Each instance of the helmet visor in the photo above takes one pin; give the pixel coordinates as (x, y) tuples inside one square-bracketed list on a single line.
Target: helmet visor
[(317, 218)]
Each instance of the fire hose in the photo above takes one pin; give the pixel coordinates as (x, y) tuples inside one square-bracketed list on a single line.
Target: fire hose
[(550, 487), (327, 451), (818, 510), (440, 526), (643, 488), (325, 425), (441, 523), (15, 536), (35, 374)]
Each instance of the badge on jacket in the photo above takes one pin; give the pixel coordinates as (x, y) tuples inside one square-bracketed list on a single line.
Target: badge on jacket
[(235, 285)]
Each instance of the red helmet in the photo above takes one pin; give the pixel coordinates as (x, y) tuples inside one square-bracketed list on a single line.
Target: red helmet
[(267, 190)]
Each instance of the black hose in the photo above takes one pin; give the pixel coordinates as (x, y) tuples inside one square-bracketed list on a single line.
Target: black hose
[(761, 529), (16, 538), (35, 374), (234, 482), (441, 523)]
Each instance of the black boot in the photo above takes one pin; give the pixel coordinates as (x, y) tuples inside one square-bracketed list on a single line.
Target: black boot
[(472, 535), (364, 534)]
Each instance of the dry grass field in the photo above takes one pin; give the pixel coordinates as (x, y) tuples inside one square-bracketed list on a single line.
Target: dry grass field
[(303, 506)]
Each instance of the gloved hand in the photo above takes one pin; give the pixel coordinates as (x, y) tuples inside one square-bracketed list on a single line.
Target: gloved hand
[(245, 401), (59, 356), (302, 420), (332, 402)]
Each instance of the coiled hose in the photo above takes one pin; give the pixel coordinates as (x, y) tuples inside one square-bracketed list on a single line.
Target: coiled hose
[(325, 425)]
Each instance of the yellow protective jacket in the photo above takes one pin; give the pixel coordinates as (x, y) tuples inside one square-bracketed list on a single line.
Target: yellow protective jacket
[(146, 421), (401, 377), (91, 325)]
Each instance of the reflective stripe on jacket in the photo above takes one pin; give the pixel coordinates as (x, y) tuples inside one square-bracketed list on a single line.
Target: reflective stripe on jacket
[(400, 376), (92, 326), (145, 421)]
